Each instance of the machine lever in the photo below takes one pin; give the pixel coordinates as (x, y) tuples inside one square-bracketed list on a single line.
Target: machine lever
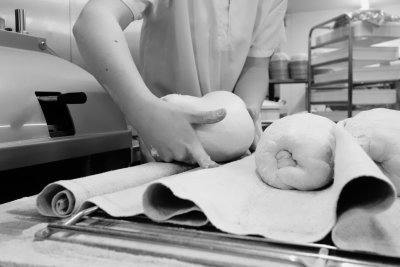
[(72, 98), (66, 98)]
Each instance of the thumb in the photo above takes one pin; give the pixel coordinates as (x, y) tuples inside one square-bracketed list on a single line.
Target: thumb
[(206, 117)]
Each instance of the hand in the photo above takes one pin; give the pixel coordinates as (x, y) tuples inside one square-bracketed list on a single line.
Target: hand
[(254, 114), (167, 131)]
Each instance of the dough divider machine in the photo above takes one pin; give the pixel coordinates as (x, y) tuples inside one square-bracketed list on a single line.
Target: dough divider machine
[(56, 121)]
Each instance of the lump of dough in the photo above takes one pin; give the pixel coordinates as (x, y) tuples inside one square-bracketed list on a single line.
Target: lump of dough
[(297, 152), (378, 133), (228, 139)]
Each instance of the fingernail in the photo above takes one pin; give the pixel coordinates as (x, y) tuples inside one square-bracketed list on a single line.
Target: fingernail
[(221, 112)]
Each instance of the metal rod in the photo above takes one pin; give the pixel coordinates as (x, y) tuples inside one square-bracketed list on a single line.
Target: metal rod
[(342, 81), (330, 42), (153, 227), (77, 217), (213, 245), (350, 75), (329, 102), (20, 25), (255, 248), (330, 62)]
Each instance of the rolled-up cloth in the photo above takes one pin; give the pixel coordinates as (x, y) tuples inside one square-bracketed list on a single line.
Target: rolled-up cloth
[(64, 197)]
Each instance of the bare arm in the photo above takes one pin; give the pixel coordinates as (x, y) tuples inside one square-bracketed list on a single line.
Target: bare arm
[(252, 87), (102, 44)]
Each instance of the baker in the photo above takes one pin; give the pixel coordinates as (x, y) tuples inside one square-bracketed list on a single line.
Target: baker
[(187, 47)]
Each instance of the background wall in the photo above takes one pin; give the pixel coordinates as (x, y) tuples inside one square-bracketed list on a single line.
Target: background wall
[(49, 19), (54, 19), (298, 26)]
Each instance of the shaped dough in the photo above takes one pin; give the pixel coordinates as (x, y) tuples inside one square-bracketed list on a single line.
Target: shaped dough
[(378, 133), (297, 152), (228, 139)]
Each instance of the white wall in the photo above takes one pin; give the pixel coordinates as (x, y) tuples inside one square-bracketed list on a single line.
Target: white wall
[(298, 26), (54, 19), (44, 18)]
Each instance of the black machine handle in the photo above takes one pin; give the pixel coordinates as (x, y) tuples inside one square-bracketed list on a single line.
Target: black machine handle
[(72, 98), (66, 98)]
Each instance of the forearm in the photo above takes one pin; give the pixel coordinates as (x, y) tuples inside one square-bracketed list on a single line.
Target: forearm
[(104, 49), (252, 85)]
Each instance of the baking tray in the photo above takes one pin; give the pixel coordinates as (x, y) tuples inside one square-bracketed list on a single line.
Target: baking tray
[(365, 33), (360, 96), (360, 75), (362, 55)]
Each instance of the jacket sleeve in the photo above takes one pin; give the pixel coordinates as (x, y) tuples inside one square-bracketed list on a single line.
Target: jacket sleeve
[(269, 30), (138, 7)]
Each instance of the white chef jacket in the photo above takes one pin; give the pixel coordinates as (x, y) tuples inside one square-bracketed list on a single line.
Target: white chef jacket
[(196, 46)]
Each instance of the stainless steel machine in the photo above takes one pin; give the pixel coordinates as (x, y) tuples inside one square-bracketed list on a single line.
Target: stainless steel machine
[(56, 121)]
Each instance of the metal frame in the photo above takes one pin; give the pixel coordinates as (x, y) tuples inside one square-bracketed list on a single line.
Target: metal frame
[(24, 41), (205, 246), (350, 40)]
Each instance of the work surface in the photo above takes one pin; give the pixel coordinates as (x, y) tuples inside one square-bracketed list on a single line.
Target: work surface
[(19, 221)]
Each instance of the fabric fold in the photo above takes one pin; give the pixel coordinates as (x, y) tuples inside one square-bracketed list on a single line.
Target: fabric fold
[(235, 200), (359, 230)]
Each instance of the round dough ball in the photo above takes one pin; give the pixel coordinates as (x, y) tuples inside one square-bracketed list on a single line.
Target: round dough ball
[(225, 140), (378, 133), (297, 152)]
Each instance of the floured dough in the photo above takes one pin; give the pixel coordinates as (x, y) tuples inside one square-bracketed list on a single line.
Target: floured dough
[(297, 152), (228, 139), (378, 133)]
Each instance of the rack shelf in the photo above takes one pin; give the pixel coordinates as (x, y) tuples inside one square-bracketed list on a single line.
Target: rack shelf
[(287, 81), (272, 83)]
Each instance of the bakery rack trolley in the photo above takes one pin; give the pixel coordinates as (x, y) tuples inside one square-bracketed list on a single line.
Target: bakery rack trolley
[(311, 68), (347, 39)]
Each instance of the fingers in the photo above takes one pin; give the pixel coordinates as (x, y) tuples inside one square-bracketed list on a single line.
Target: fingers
[(149, 153), (193, 114), (154, 154), (145, 154), (193, 155), (179, 141), (257, 128), (206, 117), (257, 134), (201, 157)]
